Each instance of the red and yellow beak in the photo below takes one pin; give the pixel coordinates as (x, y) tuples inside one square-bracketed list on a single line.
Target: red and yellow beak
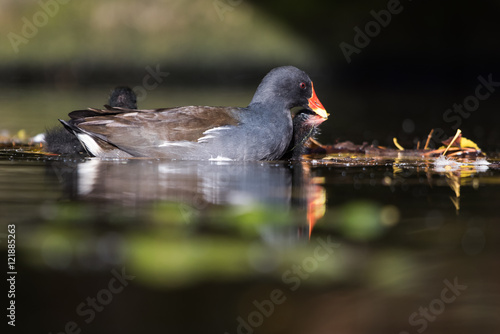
[(316, 106)]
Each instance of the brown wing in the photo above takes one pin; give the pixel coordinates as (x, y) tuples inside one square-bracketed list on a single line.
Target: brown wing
[(140, 128)]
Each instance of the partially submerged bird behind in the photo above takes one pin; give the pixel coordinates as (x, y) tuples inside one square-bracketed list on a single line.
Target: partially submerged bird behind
[(61, 141)]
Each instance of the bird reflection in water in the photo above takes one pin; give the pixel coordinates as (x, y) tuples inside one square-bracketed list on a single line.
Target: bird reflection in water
[(202, 187)]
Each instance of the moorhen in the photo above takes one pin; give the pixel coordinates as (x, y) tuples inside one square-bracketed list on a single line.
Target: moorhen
[(305, 126), (260, 131), (123, 97), (58, 140)]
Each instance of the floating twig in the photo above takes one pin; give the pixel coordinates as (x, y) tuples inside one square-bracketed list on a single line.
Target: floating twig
[(401, 148), (451, 143), (428, 139)]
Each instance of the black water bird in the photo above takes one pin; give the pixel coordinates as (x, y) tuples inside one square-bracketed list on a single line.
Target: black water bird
[(260, 131), (305, 126)]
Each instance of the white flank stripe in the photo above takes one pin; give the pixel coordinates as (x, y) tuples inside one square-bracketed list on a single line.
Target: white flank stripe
[(211, 133), (205, 139)]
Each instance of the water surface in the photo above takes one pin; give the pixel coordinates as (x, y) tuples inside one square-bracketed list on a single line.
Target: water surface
[(344, 244)]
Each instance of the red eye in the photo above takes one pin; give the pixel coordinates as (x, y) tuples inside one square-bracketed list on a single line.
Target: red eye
[(302, 85)]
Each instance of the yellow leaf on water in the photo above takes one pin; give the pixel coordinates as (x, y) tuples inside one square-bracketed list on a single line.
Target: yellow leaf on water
[(464, 142)]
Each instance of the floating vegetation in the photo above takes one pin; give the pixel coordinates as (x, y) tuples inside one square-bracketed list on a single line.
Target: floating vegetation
[(459, 148)]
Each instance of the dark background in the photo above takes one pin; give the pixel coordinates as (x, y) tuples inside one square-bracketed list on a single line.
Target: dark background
[(425, 60), (400, 85)]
